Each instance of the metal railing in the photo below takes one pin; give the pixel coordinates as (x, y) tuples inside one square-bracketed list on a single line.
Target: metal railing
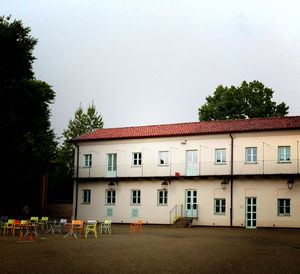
[(180, 211)]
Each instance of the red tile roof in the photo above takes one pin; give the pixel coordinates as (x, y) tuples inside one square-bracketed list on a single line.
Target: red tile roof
[(195, 128)]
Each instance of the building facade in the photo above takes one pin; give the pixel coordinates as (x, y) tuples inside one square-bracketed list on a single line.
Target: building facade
[(242, 173)]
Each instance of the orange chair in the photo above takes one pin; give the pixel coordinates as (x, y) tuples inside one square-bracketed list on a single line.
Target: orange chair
[(136, 226), (21, 226), (12, 227), (78, 226)]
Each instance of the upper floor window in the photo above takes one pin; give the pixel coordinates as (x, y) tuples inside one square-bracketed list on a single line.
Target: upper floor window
[(87, 160), (284, 154), (284, 206), (220, 206), (163, 158), (86, 196), (137, 159), (221, 156), (135, 197), (251, 154), (110, 197), (162, 197)]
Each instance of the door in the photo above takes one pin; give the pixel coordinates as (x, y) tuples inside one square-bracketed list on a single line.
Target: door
[(191, 203), (250, 212), (111, 165), (191, 160)]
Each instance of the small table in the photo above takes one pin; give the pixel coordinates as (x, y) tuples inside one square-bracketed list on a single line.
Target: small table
[(30, 234)]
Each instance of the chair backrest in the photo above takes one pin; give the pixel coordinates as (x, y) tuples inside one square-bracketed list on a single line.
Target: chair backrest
[(77, 223), (107, 222), (44, 219), (10, 221), (23, 222), (34, 219), (91, 222), (3, 219), (17, 222), (63, 221)]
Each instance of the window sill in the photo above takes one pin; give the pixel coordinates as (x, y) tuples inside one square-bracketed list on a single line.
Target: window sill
[(86, 166), (110, 204), (284, 162), (162, 204), (136, 166), (284, 215), (251, 163), (220, 214), (166, 165), (220, 163), (85, 203), (135, 204)]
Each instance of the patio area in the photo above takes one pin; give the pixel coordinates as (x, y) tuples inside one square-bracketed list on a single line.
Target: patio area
[(159, 249)]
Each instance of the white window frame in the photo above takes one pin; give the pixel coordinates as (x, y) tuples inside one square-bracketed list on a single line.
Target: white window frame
[(284, 154), (110, 199), (136, 158), (86, 196), (162, 200), (253, 156), (135, 198), (163, 158), (286, 208), (220, 156), (87, 160), (219, 208)]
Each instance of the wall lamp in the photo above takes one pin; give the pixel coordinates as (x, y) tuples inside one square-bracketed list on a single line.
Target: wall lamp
[(112, 185), (290, 183), (224, 183), (165, 184)]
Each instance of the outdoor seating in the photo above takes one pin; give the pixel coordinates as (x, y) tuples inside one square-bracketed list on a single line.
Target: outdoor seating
[(136, 227), (106, 227), (3, 219), (20, 227), (44, 223), (91, 227), (74, 227), (34, 220), (7, 226)]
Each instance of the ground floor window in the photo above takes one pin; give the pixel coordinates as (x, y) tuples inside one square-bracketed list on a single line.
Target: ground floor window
[(284, 207), (86, 196), (220, 205), (162, 197), (110, 197)]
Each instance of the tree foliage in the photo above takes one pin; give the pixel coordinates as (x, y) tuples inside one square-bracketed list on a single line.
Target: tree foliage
[(28, 140), (250, 100)]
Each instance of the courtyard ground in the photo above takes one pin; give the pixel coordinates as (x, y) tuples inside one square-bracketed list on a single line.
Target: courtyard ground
[(159, 249)]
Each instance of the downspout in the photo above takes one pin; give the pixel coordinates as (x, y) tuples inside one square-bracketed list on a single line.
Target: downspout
[(76, 180), (231, 181)]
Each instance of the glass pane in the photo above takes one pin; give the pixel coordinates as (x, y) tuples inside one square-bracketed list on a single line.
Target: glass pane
[(281, 211), (189, 200), (287, 210), (249, 208), (139, 200), (254, 200), (188, 206), (287, 202), (217, 202), (195, 193), (254, 222), (113, 200), (194, 206), (254, 216), (249, 215), (189, 193), (248, 223), (223, 209), (254, 208), (194, 200)]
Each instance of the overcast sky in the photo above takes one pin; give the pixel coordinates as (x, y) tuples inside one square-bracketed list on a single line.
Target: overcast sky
[(154, 62)]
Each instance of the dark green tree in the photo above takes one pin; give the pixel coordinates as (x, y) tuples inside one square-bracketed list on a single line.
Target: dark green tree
[(27, 138), (250, 100)]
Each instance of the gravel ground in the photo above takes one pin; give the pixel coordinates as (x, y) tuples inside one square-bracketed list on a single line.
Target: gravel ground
[(159, 249)]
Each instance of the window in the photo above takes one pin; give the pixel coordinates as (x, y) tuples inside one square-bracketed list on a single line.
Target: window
[(221, 156), (87, 160), (163, 158), (284, 154), (110, 197), (284, 207), (134, 212), (86, 196), (135, 197), (137, 159), (109, 212), (220, 206), (251, 154), (162, 197)]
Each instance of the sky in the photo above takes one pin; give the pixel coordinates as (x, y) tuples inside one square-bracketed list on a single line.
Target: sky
[(148, 62)]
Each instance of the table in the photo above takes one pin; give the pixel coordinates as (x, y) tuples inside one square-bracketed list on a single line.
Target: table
[(54, 226), (30, 234)]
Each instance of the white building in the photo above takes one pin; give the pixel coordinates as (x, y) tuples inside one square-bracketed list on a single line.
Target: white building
[(221, 173)]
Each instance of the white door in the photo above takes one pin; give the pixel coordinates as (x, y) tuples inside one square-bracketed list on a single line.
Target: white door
[(111, 165), (191, 163), (191, 203), (250, 212)]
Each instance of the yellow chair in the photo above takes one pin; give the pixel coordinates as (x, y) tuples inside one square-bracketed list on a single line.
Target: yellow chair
[(8, 226), (34, 220), (106, 226), (21, 226), (44, 222), (91, 227)]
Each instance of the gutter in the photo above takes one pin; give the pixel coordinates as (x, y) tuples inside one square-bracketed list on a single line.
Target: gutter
[(76, 181), (231, 181)]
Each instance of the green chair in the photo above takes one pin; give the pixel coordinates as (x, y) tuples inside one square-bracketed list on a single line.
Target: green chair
[(91, 227), (8, 226), (44, 223), (34, 220)]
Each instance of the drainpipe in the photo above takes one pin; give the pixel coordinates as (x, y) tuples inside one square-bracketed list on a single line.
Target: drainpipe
[(76, 181), (231, 181)]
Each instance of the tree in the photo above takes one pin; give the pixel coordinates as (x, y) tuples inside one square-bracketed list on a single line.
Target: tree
[(28, 142), (250, 100)]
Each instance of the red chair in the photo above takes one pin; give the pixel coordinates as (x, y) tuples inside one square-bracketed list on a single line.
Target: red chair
[(78, 226), (136, 226)]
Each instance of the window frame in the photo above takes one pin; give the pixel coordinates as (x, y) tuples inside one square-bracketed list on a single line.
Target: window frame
[(285, 154), (107, 210), (164, 197), (251, 149), (111, 197), (165, 158), (223, 150), (220, 206), (86, 199), (87, 160), (284, 207), (137, 197), (138, 159)]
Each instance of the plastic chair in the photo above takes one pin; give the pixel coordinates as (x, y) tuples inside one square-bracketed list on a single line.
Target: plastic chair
[(20, 227), (34, 220), (44, 222), (136, 226), (78, 226), (7, 226), (106, 227), (91, 227)]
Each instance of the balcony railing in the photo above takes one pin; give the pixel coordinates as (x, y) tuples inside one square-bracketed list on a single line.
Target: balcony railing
[(181, 169)]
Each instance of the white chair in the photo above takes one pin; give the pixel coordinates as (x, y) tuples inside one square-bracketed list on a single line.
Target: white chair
[(106, 227)]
